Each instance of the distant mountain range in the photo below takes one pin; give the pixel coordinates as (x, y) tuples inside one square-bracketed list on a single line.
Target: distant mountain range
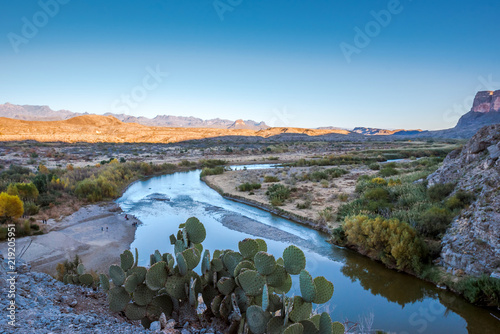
[(44, 113), (485, 111)]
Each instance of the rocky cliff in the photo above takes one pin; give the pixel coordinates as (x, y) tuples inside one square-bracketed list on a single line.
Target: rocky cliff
[(472, 243)]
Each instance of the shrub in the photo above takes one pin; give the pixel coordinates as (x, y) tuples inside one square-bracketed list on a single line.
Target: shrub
[(269, 179), (326, 215), (393, 183), (434, 222), (482, 290), (377, 194), (438, 191), (30, 209), (211, 163), (379, 181), (389, 240), (336, 172), (212, 171), (388, 171), (277, 194), (374, 166), (305, 205), (343, 197), (249, 186)]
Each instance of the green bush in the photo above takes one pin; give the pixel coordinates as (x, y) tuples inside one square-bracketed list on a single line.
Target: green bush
[(30, 209), (482, 290), (249, 186), (438, 192), (277, 194), (434, 222), (269, 179), (212, 171), (377, 194), (374, 166), (336, 172), (305, 205), (388, 171)]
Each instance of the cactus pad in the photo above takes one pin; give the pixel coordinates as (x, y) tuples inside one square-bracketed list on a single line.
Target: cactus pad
[(257, 319), (135, 312), (310, 327), (175, 287), (307, 286), (173, 239), (231, 260), (217, 264), (179, 247), (104, 282), (226, 285), (295, 329), (325, 324), (192, 257), (126, 260), (156, 276), (143, 295), (215, 306), (262, 245), (251, 282), (209, 293), (118, 299), (294, 260), (225, 307), (286, 286), (205, 262), (248, 248), (140, 272), (265, 263), (195, 230), (301, 309), (86, 279), (182, 264), (324, 290), (117, 275), (265, 298), (241, 265), (278, 277), (131, 283), (80, 270), (337, 328), (275, 325)]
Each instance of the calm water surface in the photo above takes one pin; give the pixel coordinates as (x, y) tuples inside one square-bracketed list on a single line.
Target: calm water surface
[(398, 302)]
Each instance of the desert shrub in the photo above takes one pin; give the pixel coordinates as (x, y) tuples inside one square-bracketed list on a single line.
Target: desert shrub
[(377, 194), (394, 182), (304, 205), (324, 183), (336, 172), (270, 178), (249, 186), (482, 290), (343, 197), (389, 240), (379, 181), (46, 199), (212, 163), (338, 236), (277, 194), (438, 192), (317, 176), (212, 171), (374, 166), (31, 209), (460, 200), (434, 222), (326, 215), (186, 163), (388, 171)]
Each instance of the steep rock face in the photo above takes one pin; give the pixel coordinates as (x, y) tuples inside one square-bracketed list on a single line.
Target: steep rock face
[(487, 101), (472, 243)]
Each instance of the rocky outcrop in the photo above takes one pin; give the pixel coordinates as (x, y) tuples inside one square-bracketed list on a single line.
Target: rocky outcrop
[(487, 101), (472, 243)]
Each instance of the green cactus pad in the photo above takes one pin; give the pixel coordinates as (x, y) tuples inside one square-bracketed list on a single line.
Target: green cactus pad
[(243, 264), (262, 245), (307, 286), (265, 298), (135, 312), (104, 282), (181, 264), (196, 231), (275, 302), (324, 290), (118, 299), (209, 293), (275, 325), (241, 299), (231, 260), (131, 283), (160, 304), (75, 279), (199, 247), (143, 295), (301, 309), (173, 239), (157, 276), (66, 279), (80, 270), (252, 282), (205, 262), (215, 306), (315, 320), (325, 324), (265, 263), (140, 272), (117, 274), (179, 247), (192, 257), (217, 264), (158, 256), (286, 286), (126, 260), (310, 327), (294, 259), (337, 328), (280, 262), (226, 285), (278, 277), (86, 279), (257, 319), (225, 307), (295, 329), (175, 287), (146, 323), (248, 248), (193, 295)]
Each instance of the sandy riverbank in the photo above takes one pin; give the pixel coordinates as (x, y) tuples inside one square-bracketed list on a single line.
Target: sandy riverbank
[(98, 233)]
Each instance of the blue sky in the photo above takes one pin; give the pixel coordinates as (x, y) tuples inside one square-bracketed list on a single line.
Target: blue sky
[(390, 64)]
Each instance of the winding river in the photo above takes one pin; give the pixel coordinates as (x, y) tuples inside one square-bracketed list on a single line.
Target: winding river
[(365, 291)]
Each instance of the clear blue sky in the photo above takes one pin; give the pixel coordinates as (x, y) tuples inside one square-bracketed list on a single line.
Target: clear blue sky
[(277, 61)]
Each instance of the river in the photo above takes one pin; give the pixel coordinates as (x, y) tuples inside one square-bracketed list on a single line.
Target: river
[(364, 289)]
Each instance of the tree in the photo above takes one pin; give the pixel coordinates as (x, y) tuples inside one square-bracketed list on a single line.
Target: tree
[(26, 191), (10, 206)]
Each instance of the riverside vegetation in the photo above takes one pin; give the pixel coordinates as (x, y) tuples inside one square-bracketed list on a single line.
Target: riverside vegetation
[(245, 290)]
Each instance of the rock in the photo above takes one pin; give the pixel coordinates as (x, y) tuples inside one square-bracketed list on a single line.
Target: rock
[(155, 326)]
